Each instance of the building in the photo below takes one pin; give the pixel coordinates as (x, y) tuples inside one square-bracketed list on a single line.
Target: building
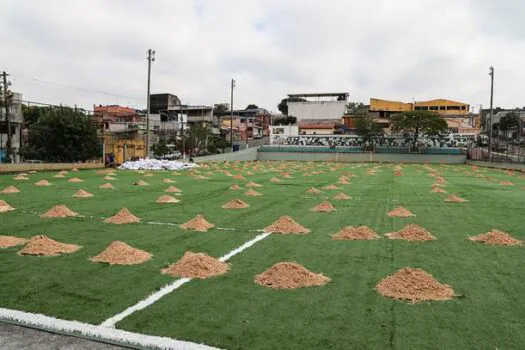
[(251, 123), (280, 133), (329, 106), (445, 108), (317, 127), (162, 102), (16, 120)]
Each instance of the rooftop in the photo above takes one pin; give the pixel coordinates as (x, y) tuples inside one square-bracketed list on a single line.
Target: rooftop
[(323, 94)]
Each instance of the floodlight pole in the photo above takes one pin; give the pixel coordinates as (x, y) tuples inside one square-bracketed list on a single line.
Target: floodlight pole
[(151, 58), (491, 73), (231, 113)]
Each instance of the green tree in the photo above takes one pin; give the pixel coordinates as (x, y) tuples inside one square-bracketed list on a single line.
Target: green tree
[(368, 129), (289, 120), (160, 148), (283, 105), (216, 144), (219, 109), (198, 137), (510, 121), (418, 123), (63, 134), (33, 113), (252, 106)]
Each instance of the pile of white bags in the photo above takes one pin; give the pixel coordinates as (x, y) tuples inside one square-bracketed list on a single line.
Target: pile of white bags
[(155, 164)]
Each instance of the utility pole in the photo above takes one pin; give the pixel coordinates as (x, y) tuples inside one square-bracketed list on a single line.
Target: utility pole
[(231, 114), (151, 58), (491, 73), (6, 101), (183, 136)]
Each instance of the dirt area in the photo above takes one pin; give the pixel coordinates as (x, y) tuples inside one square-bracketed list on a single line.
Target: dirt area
[(173, 189), (42, 183), (75, 180), (109, 178), (168, 181), (107, 186), (342, 197), (124, 216), (437, 189), (400, 212), (506, 183), (286, 225), (196, 265), (252, 193), (414, 285), (140, 183), (167, 199), (11, 241), (314, 190), (496, 237), (82, 194), (120, 253), (235, 187), (239, 177), (59, 211), (20, 178), (290, 275), (10, 189), (331, 187), (275, 180), (45, 246), (324, 207), (235, 204), (411, 232), (253, 184), (355, 233), (455, 199), (398, 173), (198, 223)]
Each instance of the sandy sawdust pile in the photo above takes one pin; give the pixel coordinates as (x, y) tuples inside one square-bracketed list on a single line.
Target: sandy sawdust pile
[(109, 178), (198, 223), (355, 233), (343, 180), (200, 177), (290, 275), (42, 183), (314, 190), (440, 180), (455, 199), (168, 181), (287, 176), (10, 189), (63, 172), (175, 173), (82, 194), (11, 241), (253, 184), (140, 183), (236, 204), (235, 187), (74, 169), (414, 285), (59, 175), (59, 211), (196, 265), (120, 253), (286, 225), (167, 199), (506, 183), (43, 245), (21, 177), (330, 187), (324, 207), (239, 177), (400, 212), (411, 232), (227, 173), (342, 197), (148, 174), (107, 186), (75, 180), (398, 173), (437, 189), (173, 189), (496, 237), (252, 193), (124, 216), (249, 173), (275, 180)]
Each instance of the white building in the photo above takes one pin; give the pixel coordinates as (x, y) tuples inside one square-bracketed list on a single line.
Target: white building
[(322, 106), (279, 133), (16, 119)]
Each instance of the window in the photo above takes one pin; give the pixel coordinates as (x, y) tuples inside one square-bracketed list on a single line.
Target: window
[(278, 131), (442, 108), (434, 108)]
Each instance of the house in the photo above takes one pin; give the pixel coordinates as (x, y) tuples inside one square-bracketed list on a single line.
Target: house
[(317, 127), (327, 106), (251, 123), (443, 107), (16, 120)]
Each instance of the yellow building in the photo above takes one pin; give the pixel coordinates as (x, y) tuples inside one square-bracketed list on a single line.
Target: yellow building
[(124, 148), (445, 108), (378, 105)]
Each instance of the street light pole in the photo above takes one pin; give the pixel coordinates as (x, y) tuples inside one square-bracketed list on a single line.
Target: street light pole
[(491, 73), (231, 114), (151, 58)]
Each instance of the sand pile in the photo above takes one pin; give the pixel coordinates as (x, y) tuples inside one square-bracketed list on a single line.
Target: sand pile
[(200, 177), (324, 207), (253, 184), (355, 233), (235, 204), (249, 173), (176, 173), (398, 173), (331, 187), (227, 173), (440, 180), (343, 181), (59, 211), (173, 189), (437, 189), (286, 225), (63, 172), (124, 216), (400, 212), (287, 176), (314, 190), (42, 183), (290, 275), (198, 223), (140, 183), (75, 180), (119, 253), (342, 197), (252, 193), (167, 199), (21, 177), (10, 189), (59, 176), (109, 178), (239, 177), (506, 183), (196, 265), (107, 186), (148, 174), (455, 199), (496, 237), (399, 168), (74, 169), (275, 180), (235, 187), (414, 285), (42, 245), (411, 232), (82, 194), (11, 241), (168, 181)]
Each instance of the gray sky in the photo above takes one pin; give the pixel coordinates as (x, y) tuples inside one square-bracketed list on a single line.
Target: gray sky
[(391, 49)]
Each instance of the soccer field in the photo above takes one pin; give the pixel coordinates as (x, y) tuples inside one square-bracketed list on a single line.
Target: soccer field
[(231, 311)]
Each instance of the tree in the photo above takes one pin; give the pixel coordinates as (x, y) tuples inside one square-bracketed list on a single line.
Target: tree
[(220, 109), (217, 143), (252, 106), (289, 120), (368, 129), (418, 123), (283, 105), (198, 137), (32, 114), (63, 134), (160, 148)]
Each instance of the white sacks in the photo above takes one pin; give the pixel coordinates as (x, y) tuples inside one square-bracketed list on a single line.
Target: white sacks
[(155, 164)]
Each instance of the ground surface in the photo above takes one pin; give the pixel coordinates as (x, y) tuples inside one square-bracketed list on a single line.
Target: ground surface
[(231, 311)]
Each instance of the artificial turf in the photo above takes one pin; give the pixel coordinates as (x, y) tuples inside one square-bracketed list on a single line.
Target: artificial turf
[(233, 312)]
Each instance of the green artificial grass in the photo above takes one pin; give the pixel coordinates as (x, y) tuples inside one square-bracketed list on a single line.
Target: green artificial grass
[(231, 311)]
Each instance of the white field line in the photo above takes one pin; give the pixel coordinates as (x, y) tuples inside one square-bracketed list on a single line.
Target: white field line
[(167, 289), (93, 331)]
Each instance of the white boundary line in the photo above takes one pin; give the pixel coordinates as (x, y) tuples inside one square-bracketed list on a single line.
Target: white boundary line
[(167, 289), (102, 333)]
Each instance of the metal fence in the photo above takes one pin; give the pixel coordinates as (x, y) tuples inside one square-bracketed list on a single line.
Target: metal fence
[(515, 155)]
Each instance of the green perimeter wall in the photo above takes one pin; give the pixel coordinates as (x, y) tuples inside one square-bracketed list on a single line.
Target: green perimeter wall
[(12, 168), (245, 155), (507, 166)]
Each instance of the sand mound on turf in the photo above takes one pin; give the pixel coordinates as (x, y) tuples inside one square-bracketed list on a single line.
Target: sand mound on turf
[(10, 189), (275, 180), (506, 183), (330, 187), (124, 216), (239, 177), (437, 189), (252, 193), (198, 223), (236, 204), (63, 172), (109, 178), (59, 211), (235, 187), (173, 189), (314, 190), (411, 232), (21, 177), (343, 182), (290, 275), (11, 241), (82, 194), (324, 207), (168, 181), (342, 197), (440, 180), (455, 199), (196, 265), (286, 225), (414, 285), (140, 183), (355, 233), (400, 212), (398, 173), (119, 253), (496, 237), (4, 207), (75, 180), (253, 184), (42, 245), (42, 183), (59, 175), (167, 199), (74, 169), (107, 186), (148, 174)]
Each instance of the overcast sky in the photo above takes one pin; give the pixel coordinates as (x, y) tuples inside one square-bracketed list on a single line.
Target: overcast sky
[(391, 49)]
